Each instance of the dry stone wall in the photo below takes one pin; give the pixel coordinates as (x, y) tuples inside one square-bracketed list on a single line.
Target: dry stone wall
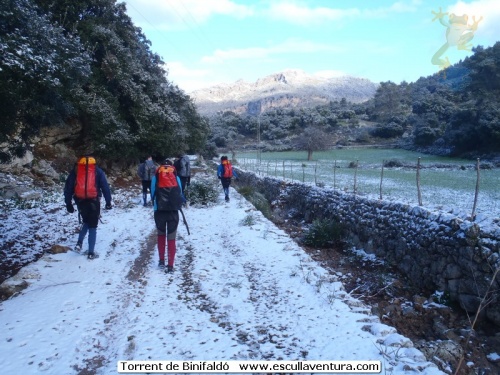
[(437, 251)]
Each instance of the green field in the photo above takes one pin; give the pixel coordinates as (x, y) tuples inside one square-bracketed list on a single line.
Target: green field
[(446, 183)]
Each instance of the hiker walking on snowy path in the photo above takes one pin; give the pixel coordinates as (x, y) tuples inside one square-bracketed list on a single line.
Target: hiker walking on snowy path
[(146, 171), (86, 184), (166, 192), (225, 173), (183, 167)]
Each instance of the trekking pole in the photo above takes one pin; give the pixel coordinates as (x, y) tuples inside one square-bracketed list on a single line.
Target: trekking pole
[(184, 220), (186, 193)]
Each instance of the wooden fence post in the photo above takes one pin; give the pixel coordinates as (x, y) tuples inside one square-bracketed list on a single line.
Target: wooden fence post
[(334, 173), (381, 178), (473, 215), (419, 194), (303, 172), (283, 169), (315, 170), (355, 176)]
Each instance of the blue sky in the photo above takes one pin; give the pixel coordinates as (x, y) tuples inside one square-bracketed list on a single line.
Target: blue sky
[(206, 42)]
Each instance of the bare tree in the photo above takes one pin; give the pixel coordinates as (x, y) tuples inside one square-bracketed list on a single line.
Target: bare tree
[(313, 139)]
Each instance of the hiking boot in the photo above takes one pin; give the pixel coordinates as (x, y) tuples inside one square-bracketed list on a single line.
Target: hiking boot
[(161, 264), (78, 247), (227, 198), (93, 256), (169, 269)]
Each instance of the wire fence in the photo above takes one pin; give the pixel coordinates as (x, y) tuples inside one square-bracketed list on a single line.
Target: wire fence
[(469, 192)]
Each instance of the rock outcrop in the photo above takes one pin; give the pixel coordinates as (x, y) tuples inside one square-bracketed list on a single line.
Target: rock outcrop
[(289, 89)]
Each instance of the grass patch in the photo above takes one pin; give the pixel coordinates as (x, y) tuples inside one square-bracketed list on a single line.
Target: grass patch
[(257, 199), (248, 220), (324, 233)]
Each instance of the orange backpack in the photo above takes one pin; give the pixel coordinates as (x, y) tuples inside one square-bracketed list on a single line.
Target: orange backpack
[(227, 169), (85, 185), (167, 195), (166, 176)]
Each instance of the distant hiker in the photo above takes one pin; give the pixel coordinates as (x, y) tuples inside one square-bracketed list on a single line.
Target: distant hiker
[(167, 197), (146, 171), (86, 184), (225, 173), (183, 167)]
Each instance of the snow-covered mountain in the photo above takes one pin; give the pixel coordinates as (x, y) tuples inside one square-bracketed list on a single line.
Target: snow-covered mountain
[(288, 89)]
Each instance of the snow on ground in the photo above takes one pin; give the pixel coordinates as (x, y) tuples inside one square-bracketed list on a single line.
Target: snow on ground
[(241, 290)]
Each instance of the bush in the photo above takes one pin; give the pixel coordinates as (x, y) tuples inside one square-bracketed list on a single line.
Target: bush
[(393, 163), (248, 220), (324, 233), (257, 199), (424, 136), (390, 130), (203, 192)]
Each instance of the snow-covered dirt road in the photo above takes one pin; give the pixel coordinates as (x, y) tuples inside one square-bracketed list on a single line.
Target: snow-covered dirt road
[(241, 290)]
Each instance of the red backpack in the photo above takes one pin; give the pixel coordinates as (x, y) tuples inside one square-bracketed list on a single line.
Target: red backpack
[(167, 194), (166, 176), (85, 184), (227, 169)]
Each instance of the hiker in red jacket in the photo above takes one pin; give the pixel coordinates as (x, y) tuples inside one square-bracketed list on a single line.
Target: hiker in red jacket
[(225, 173), (86, 184)]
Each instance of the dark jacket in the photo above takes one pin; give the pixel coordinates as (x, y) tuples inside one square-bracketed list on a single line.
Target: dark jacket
[(146, 170), (101, 182), (183, 166)]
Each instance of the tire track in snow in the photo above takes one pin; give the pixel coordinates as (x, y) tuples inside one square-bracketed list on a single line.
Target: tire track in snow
[(259, 338), (98, 346)]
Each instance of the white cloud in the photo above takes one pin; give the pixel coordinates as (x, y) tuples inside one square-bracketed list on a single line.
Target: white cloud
[(489, 10), (292, 45), (189, 79), (301, 14), (182, 14), (178, 69)]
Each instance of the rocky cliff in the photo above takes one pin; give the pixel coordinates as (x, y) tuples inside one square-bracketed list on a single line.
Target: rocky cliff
[(289, 89)]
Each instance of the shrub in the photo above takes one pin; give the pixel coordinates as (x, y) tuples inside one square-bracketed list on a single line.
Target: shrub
[(388, 130), (257, 199), (203, 192), (248, 220), (424, 136), (324, 233), (393, 163)]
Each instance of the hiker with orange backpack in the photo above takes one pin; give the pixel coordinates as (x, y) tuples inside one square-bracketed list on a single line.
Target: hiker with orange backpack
[(225, 173), (166, 194), (86, 184)]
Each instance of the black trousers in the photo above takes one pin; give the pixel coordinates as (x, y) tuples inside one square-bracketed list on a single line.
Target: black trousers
[(167, 223), (146, 186), (90, 210)]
